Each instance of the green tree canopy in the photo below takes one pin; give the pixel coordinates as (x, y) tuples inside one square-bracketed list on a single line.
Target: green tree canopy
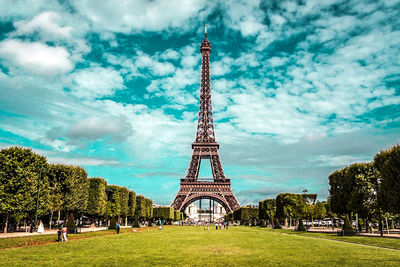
[(131, 204), (140, 211), (124, 201), (352, 189), (20, 172), (97, 197), (75, 188), (289, 205), (113, 201), (266, 209), (387, 163), (164, 213)]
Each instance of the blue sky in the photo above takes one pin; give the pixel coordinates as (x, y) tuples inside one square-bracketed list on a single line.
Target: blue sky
[(300, 88)]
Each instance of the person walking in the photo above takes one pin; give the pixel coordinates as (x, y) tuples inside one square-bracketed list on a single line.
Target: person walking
[(216, 226), (59, 233), (64, 231), (118, 228)]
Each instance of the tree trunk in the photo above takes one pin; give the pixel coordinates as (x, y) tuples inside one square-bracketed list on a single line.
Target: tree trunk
[(387, 225), (393, 224), (366, 225), (285, 222), (51, 219), (58, 217), (92, 225), (6, 224), (126, 221)]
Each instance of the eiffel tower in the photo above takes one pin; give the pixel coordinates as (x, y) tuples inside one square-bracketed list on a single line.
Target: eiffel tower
[(192, 187)]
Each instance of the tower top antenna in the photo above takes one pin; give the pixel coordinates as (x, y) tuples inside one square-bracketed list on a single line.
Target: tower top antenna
[(205, 31)]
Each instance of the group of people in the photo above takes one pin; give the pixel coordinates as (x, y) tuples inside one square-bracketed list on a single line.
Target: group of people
[(218, 225), (62, 234), (221, 225)]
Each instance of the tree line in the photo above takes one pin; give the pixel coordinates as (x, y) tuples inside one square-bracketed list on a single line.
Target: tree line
[(365, 192), (369, 190), (32, 189), (286, 208)]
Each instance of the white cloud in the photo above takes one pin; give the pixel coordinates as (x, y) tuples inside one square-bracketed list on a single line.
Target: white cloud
[(44, 23), (245, 16), (82, 161), (144, 61), (339, 160), (36, 57), (170, 54), (250, 27), (138, 15), (10, 9), (277, 61), (96, 82), (93, 128)]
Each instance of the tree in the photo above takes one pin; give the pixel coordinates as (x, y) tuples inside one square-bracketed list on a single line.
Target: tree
[(320, 210), (97, 198), (339, 191), (246, 214), (131, 204), (113, 209), (149, 208), (55, 185), (124, 200), (75, 188), (22, 176), (163, 213), (266, 209), (140, 211), (289, 205), (353, 190), (387, 162)]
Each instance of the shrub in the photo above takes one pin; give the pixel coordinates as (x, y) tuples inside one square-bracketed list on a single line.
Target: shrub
[(135, 223), (347, 228), (301, 227), (71, 226), (277, 225), (112, 223)]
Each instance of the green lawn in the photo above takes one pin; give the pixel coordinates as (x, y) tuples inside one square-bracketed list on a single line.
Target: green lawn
[(193, 246), (372, 241)]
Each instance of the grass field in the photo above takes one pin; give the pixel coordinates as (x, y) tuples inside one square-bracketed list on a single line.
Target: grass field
[(193, 246)]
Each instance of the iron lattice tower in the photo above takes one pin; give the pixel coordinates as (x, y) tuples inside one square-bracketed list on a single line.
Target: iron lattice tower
[(192, 187)]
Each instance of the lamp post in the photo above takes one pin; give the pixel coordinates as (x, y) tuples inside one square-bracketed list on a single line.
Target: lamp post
[(379, 207), (37, 196)]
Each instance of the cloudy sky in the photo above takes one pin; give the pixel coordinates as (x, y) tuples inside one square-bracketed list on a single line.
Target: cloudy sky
[(300, 88)]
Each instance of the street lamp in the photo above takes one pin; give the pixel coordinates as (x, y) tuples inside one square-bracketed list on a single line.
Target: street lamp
[(379, 207), (37, 196)]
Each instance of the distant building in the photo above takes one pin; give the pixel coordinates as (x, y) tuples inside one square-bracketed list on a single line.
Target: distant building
[(195, 214)]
